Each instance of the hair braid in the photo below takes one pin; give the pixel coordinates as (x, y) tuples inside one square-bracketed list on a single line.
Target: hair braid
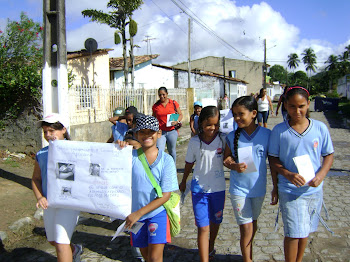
[(235, 143)]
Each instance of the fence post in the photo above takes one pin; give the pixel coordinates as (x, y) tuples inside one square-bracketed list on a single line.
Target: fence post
[(145, 98), (95, 120)]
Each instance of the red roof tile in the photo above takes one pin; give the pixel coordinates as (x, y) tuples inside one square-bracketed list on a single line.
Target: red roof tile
[(116, 63)]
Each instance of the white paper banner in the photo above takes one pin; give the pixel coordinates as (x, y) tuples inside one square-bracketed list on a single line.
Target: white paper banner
[(227, 123), (90, 177)]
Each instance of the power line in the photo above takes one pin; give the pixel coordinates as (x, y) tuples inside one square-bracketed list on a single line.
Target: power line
[(208, 29)]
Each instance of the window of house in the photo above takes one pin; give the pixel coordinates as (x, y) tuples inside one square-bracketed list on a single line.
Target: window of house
[(232, 73)]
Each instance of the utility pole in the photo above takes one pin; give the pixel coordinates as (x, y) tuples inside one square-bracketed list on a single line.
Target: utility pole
[(55, 78), (189, 52), (224, 72), (265, 66)]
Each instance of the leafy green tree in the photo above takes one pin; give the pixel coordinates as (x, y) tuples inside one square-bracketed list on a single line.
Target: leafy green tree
[(119, 18), (20, 66), (309, 60), (293, 61), (299, 78), (278, 73), (320, 82)]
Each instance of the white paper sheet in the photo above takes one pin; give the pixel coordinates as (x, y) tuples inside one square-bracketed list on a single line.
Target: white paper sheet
[(245, 155), (227, 123), (185, 193), (122, 229), (305, 167), (90, 177)]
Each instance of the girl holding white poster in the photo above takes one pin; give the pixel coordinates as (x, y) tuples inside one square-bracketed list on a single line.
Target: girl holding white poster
[(59, 223), (295, 148), (147, 207), (246, 156)]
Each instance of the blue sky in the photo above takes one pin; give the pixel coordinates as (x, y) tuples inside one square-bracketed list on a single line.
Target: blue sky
[(288, 25)]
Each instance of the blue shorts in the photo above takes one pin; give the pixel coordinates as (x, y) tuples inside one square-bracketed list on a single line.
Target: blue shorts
[(263, 116), (300, 214), (156, 230), (208, 207), (246, 209)]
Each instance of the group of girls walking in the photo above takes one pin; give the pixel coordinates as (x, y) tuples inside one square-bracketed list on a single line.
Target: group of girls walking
[(300, 200), (209, 151)]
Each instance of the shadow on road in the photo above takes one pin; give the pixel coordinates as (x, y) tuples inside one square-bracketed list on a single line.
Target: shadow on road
[(24, 181), (336, 120), (23, 254)]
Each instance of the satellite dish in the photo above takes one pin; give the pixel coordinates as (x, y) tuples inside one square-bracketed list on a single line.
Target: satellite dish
[(90, 45)]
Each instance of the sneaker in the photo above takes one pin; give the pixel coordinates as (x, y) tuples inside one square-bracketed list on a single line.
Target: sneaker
[(78, 250)]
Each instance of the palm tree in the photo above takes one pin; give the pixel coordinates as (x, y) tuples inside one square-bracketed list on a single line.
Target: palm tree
[(332, 62), (332, 68), (293, 61), (309, 60), (346, 53), (118, 18)]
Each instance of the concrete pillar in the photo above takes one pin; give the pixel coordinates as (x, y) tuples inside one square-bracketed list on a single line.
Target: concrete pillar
[(190, 101)]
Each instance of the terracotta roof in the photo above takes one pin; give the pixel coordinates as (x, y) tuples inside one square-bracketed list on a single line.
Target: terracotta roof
[(203, 73), (84, 52), (116, 63)]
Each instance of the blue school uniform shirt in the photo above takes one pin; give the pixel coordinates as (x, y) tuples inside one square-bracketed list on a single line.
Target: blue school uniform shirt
[(250, 184), (42, 157), (119, 130), (286, 143), (164, 172)]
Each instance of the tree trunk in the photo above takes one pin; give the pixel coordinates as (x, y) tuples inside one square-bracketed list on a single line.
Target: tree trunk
[(125, 57), (132, 61)]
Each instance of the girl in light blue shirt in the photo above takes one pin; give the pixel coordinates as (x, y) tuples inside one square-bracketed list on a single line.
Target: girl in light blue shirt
[(247, 188), (300, 200)]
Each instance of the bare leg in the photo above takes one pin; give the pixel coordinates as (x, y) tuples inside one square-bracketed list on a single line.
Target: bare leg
[(144, 252), (294, 249), (64, 252), (203, 243), (260, 124), (214, 229), (301, 248), (265, 125), (155, 252), (247, 235)]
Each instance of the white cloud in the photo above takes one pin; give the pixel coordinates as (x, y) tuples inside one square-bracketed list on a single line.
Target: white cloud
[(244, 28)]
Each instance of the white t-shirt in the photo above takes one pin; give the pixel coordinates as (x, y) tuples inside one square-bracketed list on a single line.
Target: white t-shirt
[(263, 105), (208, 174)]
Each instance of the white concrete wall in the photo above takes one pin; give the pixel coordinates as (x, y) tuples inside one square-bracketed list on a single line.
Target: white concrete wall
[(146, 76), (90, 70), (343, 88)]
